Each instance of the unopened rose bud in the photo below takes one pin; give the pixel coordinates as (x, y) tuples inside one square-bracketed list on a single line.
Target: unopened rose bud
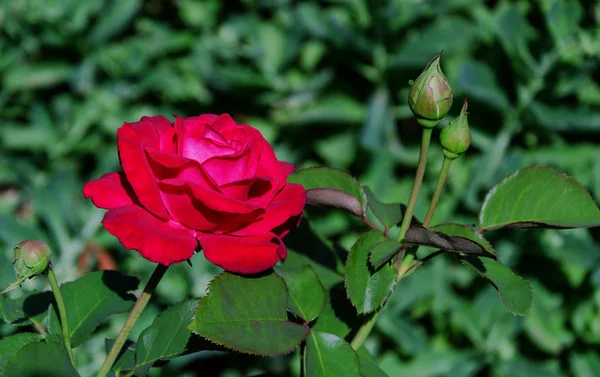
[(430, 96), (456, 137), (31, 258)]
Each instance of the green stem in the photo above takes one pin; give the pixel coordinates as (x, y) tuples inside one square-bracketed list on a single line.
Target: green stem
[(139, 306), (366, 328), (438, 189), (414, 194), (363, 332), (62, 312)]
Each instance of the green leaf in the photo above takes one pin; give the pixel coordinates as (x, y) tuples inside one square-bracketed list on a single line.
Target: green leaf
[(479, 81), (417, 235), (389, 214), (327, 178), (370, 369), (11, 344), (538, 196), (382, 251), (27, 310), (126, 358), (372, 135), (114, 19), (368, 289), (515, 292), (306, 292), (248, 314), (40, 359), (585, 364), (168, 334), (36, 76), (566, 118), (463, 231), (546, 326), (339, 316), (329, 355), (92, 298)]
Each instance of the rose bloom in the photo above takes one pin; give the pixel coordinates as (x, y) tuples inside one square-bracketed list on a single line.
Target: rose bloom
[(204, 181)]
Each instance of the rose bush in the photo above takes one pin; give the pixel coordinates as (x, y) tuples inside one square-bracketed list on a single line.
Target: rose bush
[(203, 180)]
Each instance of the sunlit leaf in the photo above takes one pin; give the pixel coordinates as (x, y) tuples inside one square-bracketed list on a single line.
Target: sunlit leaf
[(539, 197)]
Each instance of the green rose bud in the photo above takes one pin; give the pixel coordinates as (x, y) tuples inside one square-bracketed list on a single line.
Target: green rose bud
[(31, 258), (456, 137), (430, 96)]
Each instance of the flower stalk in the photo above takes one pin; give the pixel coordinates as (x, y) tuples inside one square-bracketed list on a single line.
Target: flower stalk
[(137, 310), (62, 312)]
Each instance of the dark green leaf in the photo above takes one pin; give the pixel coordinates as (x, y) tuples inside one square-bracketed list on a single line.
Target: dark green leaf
[(26, 310), (463, 231), (126, 358), (417, 235), (368, 289), (11, 344), (329, 355), (306, 293), (168, 334), (382, 251), (370, 369), (389, 214), (479, 81), (338, 316), (585, 364), (40, 360), (92, 298), (566, 118), (248, 314), (372, 136), (538, 197), (113, 20), (515, 292)]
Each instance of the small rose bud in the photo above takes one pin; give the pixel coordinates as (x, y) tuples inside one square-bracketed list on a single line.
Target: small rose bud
[(430, 96), (456, 137), (31, 258)]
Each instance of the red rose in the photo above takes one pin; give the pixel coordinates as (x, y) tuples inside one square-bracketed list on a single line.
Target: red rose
[(202, 179)]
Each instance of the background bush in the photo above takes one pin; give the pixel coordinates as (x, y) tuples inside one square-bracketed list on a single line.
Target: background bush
[(327, 83)]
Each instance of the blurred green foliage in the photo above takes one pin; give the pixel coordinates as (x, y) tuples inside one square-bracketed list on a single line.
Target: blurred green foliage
[(327, 83)]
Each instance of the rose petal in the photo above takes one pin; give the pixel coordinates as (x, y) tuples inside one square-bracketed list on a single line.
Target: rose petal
[(154, 132), (164, 242), (109, 191), (205, 209), (288, 203), (244, 255), (199, 141), (139, 174), (224, 122), (228, 169), (170, 166), (246, 189)]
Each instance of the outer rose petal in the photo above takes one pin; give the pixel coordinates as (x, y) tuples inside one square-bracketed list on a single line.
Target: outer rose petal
[(137, 169), (288, 203), (109, 191), (243, 255), (164, 242)]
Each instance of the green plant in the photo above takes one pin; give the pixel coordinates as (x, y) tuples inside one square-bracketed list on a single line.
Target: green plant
[(72, 73)]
